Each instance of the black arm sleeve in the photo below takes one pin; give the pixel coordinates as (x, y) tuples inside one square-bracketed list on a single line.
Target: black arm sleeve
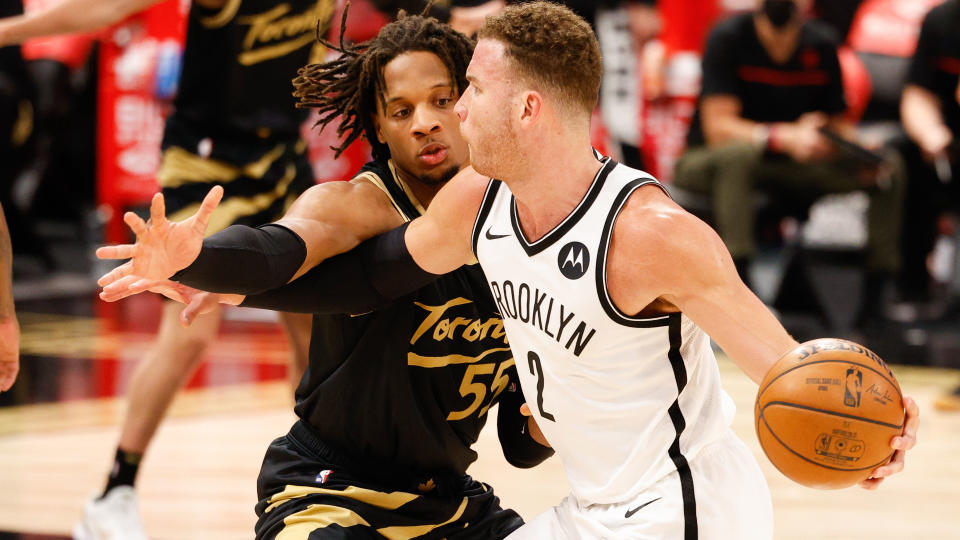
[(245, 260), (371, 276), (519, 448)]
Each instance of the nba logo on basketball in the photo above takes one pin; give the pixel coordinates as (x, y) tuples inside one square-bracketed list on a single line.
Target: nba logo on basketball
[(322, 477), (851, 393)]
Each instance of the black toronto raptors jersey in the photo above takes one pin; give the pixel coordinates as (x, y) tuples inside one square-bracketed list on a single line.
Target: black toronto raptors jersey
[(409, 384), (238, 64)]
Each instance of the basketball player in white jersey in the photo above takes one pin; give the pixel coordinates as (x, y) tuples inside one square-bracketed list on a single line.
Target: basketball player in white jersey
[(608, 290)]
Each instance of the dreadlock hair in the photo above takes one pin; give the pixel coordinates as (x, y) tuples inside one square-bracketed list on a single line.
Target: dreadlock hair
[(350, 86)]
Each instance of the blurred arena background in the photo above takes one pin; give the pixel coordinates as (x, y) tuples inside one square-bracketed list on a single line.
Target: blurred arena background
[(88, 117)]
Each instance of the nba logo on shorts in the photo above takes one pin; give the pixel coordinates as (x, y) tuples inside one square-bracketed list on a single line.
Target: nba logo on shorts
[(322, 477), (851, 392)]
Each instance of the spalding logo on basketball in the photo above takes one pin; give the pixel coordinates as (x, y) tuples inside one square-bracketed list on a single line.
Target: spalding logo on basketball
[(573, 260), (826, 412)]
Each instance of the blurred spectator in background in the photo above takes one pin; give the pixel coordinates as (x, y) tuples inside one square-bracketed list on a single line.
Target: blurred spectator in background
[(931, 116), (624, 29), (930, 110), (771, 87), (837, 14)]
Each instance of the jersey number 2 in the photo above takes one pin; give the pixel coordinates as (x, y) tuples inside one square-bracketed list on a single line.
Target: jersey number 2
[(537, 369)]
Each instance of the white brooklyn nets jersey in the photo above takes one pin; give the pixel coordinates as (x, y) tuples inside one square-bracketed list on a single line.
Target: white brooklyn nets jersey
[(624, 401)]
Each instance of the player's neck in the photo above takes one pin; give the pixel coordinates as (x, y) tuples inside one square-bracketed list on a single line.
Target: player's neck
[(555, 180)]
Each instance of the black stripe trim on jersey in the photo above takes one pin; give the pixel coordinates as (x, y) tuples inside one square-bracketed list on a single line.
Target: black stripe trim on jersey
[(493, 187), (601, 272), (676, 415), (564, 226)]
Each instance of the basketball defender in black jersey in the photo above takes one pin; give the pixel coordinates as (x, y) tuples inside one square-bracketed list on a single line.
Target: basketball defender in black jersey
[(234, 125), (396, 394)]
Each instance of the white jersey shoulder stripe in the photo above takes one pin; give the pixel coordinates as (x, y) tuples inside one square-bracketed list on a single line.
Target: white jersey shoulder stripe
[(602, 251), (489, 197)]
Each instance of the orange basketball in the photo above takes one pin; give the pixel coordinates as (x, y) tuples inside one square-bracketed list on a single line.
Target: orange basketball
[(826, 412)]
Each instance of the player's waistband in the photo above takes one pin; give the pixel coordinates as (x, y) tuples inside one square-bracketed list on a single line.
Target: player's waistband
[(379, 473)]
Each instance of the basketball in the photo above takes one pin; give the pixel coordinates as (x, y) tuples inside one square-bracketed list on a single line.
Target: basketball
[(826, 411)]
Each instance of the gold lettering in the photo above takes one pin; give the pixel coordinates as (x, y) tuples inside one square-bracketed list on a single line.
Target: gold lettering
[(292, 32), (435, 313), (473, 332), (442, 329), (223, 16)]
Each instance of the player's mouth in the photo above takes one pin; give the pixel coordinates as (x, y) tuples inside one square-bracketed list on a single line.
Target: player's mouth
[(432, 154)]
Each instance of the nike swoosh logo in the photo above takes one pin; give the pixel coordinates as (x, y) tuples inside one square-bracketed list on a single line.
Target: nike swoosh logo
[(494, 236), (637, 509)]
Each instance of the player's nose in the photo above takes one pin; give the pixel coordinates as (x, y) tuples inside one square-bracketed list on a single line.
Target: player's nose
[(461, 107), (425, 121)]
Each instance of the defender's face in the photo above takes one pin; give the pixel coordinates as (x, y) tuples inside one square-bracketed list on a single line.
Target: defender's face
[(485, 106), (418, 123)]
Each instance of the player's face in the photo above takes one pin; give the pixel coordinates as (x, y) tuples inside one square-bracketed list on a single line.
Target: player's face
[(485, 110), (418, 123)]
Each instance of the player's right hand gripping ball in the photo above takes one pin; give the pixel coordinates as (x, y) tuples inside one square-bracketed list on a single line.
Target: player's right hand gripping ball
[(826, 411)]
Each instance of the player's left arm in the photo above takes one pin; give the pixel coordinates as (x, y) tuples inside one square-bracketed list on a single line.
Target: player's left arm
[(683, 262), (660, 251)]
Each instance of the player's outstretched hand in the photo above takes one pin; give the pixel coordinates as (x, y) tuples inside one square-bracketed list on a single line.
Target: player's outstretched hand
[(205, 302), (162, 247), (9, 352), (133, 284), (900, 444)]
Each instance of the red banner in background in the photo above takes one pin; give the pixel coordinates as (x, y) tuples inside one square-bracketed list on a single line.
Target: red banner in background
[(139, 69)]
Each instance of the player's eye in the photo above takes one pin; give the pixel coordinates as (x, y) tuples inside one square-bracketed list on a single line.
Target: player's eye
[(400, 114), (444, 101)]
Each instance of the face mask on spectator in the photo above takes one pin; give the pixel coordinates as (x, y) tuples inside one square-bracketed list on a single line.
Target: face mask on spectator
[(779, 12)]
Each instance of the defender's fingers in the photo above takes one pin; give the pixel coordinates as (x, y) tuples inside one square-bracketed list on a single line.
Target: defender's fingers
[(208, 205), (123, 270), (140, 285), (136, 223), (525, 410), (121, 286), (158, 209), (121, 251), (190, 312)]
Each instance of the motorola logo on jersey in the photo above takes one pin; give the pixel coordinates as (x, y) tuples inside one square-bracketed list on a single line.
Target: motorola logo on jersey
[(574, 259)]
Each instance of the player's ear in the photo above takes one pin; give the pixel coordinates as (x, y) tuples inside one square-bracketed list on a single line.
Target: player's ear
[(376, 126), (532, 104)]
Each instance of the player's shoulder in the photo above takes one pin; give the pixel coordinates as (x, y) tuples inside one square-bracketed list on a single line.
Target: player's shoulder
[(330, 199), (463, 193), (653, 223)]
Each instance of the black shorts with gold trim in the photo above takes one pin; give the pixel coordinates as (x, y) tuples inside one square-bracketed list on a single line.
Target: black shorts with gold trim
[(310, 491), (260, 179)]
